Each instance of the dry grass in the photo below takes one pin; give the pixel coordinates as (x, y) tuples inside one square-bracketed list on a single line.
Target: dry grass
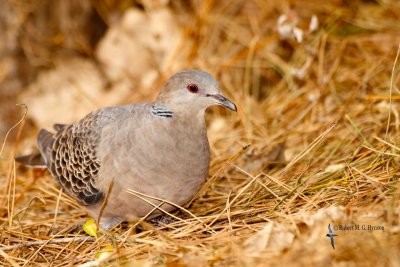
[(339, 122)]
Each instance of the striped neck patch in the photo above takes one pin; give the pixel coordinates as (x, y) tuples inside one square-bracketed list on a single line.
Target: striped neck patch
[(163, 112)]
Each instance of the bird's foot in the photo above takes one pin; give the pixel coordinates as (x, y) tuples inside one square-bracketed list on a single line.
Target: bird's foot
[(162, 220)]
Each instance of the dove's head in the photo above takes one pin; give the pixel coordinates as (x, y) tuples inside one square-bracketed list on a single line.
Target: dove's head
[(193, 89)]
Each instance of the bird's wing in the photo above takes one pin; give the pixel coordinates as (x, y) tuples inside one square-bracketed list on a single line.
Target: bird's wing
[(329, 228), (59, 127), (332, 242), (71, 153)]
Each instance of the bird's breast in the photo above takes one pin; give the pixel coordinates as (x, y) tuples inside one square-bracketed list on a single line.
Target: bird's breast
[(168, 159)]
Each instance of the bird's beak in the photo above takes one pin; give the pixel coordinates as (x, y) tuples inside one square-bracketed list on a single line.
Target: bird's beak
[(223, 101)]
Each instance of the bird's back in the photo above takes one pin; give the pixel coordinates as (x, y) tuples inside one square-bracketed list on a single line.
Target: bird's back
[(71, 154)]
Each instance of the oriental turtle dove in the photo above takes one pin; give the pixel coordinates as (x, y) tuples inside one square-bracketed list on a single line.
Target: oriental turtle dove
[(158, 149)]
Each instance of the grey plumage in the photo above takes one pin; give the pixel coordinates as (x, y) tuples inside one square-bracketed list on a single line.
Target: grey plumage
[(159, 149)]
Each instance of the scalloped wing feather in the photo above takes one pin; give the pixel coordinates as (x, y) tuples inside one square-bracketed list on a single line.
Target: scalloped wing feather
[(71, 154), (71, 157)]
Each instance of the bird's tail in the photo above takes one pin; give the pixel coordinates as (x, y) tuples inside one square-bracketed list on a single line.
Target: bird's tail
[(45, 140), (32, 161)]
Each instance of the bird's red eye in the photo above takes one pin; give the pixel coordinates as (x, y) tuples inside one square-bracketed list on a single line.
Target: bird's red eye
[(193, 88)]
